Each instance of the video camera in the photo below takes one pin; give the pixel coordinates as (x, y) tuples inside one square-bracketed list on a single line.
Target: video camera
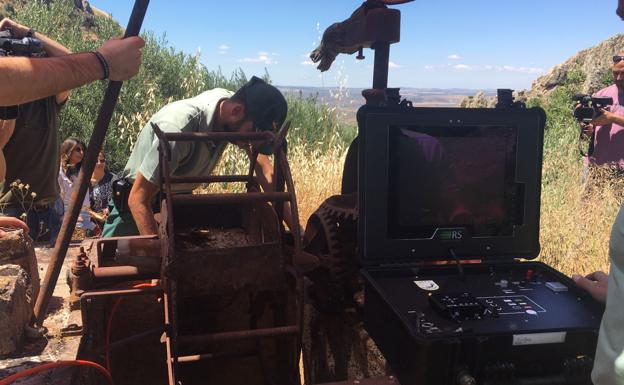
[(590, 107), (10, 46), (27, 46)]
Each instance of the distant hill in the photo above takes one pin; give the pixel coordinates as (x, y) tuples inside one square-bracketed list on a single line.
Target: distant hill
[(348, 100), (589, 70)]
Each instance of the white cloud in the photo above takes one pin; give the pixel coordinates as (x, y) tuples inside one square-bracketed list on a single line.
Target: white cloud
[(454, 57), (307, 63), (431, 67), (393, 65), (526, 70), (223, 49), (484, 68), (263, 57)]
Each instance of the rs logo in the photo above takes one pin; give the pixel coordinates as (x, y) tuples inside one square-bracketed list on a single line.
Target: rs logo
[(456, 234)]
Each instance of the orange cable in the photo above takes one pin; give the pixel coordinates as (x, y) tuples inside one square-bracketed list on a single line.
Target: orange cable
[(57, 364), (109, 324)]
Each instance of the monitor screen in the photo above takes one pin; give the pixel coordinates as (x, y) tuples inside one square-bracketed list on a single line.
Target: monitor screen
[(442, 177)]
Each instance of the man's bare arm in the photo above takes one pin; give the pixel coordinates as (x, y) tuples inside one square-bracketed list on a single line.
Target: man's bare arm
[(608, 117), (51, 47), (27, 79), (139, 202)]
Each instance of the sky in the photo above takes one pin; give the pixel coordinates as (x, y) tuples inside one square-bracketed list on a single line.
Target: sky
[(478, 44)]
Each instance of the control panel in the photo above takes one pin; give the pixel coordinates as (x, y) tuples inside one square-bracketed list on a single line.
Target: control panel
[(494, 299)]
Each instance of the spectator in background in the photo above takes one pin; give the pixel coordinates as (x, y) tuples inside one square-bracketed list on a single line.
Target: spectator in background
[(72, 153), (101, 190)]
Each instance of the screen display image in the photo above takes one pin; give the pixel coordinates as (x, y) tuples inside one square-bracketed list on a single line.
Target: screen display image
[(451, 177)]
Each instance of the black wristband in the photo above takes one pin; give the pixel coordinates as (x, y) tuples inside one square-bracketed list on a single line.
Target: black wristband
[(103, 63)]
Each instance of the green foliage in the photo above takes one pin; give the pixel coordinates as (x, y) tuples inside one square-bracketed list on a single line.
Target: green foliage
[(575, 78), (166, 75), (315, 125), (607, 78), (561, 139)]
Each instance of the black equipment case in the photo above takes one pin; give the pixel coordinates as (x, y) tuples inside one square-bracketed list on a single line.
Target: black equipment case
[(442, 185)]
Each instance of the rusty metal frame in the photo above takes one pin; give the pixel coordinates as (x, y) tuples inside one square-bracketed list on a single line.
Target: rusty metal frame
[(284, 191)]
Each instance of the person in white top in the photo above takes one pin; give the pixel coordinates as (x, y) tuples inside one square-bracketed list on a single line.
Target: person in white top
[(72, 153)]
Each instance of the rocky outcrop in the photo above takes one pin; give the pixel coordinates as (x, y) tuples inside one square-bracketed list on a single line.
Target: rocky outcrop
[(83, 7), (479, 100), (593, 64), (16, 306), (16, 248), (19, 286)]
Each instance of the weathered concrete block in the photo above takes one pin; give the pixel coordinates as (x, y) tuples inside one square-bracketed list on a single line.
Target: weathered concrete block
[(16, 248), (16, 306)]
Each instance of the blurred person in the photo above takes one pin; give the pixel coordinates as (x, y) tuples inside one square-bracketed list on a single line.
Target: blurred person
[(607, 130), (26, 79), (6, 130), (32, 153), (100, 190), (40, 86), (257, 106), (609, 289), (72, 154)]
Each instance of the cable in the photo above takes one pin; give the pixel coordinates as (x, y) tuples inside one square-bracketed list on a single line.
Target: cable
[(460, 268), (109, 324), (57, 364)]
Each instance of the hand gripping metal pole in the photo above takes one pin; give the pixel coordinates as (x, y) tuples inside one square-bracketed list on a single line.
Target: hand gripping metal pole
[(88, 164)]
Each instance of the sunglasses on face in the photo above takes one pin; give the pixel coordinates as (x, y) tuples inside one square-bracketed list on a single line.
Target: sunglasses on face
[(617, 59)]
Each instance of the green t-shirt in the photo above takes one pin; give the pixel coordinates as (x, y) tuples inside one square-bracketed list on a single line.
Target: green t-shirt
[(187, 158), (32, 153)]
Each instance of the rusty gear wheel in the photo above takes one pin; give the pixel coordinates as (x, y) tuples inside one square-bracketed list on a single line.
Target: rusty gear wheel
[(331, 235), (342, 207)]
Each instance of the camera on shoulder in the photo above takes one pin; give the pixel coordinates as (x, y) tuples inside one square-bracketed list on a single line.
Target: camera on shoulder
[(26, 46), (11, 46)]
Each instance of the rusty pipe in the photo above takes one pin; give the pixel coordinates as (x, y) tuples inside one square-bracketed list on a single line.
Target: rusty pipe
[(123, 273), (205, 339), (88, 164), (191, 200), (211, 179)]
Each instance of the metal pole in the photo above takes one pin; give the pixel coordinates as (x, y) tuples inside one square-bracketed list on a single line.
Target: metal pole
[(380, 71), (88, 164)]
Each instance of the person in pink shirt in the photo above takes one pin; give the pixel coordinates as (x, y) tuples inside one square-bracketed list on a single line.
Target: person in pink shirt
[(608, 128)]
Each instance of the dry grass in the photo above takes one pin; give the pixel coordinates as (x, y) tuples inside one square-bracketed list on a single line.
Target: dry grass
[(316, 174), (576, 220)]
